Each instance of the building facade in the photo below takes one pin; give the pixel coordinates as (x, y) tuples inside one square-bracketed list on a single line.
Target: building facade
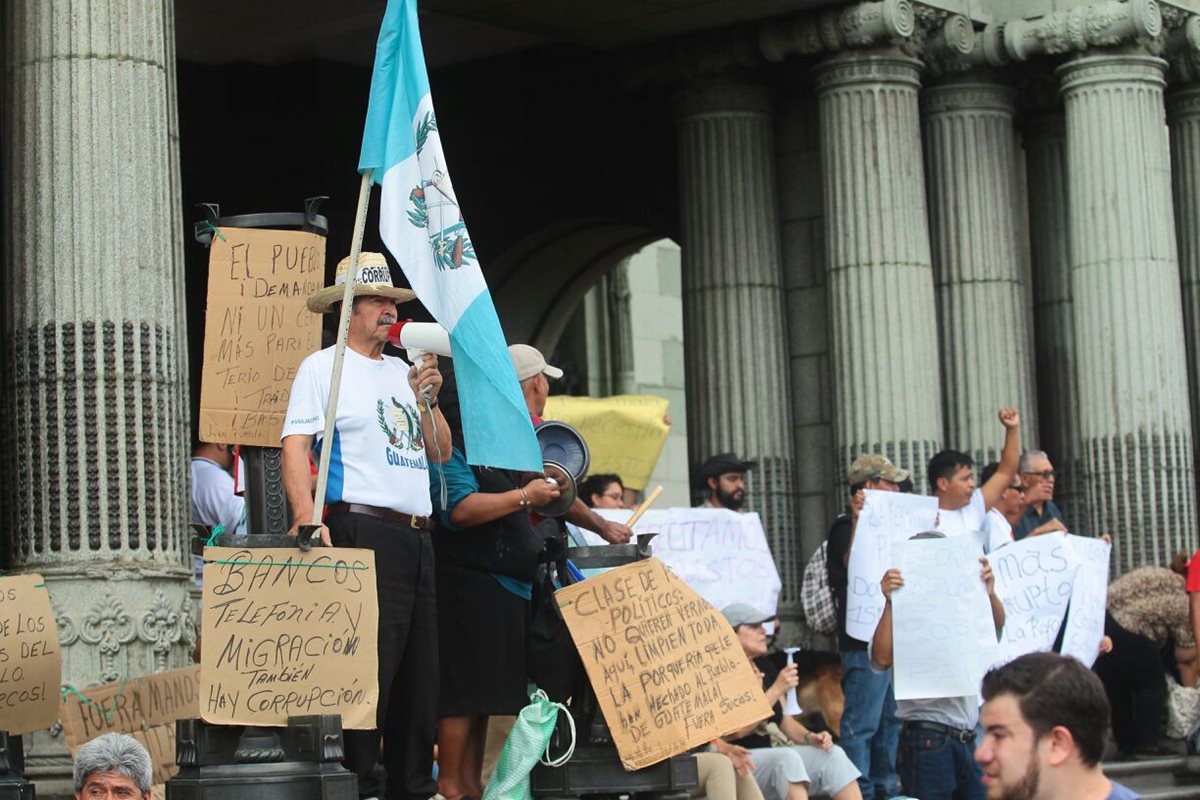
[(894, 218)]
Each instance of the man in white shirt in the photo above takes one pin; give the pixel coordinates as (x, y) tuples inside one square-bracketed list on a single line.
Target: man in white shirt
[(1002, 517), (386, 427), (962, 508), (213, 499)]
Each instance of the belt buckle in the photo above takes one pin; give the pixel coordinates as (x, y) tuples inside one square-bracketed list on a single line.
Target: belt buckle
[(412, 522), (966, 737)]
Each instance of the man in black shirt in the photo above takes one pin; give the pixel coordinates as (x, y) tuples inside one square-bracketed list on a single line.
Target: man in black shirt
[(870, 732)]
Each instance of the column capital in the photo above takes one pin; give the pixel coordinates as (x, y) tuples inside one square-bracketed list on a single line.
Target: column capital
[(1182, 44), (884, 65), (1074, 30), (855, 26), (723, 95)]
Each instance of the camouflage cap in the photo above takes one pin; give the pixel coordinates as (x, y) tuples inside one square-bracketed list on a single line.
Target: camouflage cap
[(872, 466)]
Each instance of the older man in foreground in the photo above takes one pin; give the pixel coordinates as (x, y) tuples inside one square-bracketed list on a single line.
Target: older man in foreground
[(113, 766)]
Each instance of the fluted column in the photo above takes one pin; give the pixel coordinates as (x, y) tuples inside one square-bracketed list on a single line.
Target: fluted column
[(882, 318), (1183, 117), (96, 367), (1132, 369), (1054, 322), (734, 329), (971, 177)]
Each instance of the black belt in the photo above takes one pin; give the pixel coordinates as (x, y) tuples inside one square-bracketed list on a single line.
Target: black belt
[(966, 737), (386, 514)]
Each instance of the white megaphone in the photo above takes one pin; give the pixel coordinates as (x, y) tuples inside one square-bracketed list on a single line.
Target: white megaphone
[(791, 706), (419, 338)]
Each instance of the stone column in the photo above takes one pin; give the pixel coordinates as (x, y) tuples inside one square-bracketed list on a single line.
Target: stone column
[(1183, 117), (887, 386), (1054, 323), (96, 365), (734, 329), (972, 183), (1132, 367)]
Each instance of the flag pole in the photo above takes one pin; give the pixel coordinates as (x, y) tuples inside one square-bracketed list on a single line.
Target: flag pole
[(339, 351)]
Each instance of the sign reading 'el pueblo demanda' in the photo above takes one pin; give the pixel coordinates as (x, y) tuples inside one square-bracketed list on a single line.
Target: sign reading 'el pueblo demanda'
[(257, 330), (30, 660), (145, 708), (666, 667), (289, 633)]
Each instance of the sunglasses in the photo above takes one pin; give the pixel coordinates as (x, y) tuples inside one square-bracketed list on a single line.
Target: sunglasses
[(1046, 475), (1019, 488)]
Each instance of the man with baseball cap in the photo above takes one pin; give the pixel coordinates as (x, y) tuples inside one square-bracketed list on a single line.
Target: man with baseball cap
[(870, 732), (533, 372), (723, 480), (378, 498)]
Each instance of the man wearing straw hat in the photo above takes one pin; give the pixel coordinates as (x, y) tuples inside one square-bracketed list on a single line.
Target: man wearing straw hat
[(386, 425)]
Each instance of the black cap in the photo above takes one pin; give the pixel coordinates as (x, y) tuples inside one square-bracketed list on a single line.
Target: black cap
[(721, 463)]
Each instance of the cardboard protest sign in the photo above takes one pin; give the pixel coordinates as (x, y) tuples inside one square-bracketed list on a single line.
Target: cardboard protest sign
[(257, 330), (1089, 598), (886, 518), (721, 554), (943, 635), (30, 659), (625, 433), (666, 667), (146, 708), (1034, 580), (288, 633)]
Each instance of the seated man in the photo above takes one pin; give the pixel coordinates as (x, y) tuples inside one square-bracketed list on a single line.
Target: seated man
[(812, 764), (114, 765), (1044, 721)]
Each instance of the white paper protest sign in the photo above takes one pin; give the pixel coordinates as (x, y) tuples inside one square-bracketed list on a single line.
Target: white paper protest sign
[(1034, 580), (943, 635), (1085, 620), (886, 518), (721, 554)]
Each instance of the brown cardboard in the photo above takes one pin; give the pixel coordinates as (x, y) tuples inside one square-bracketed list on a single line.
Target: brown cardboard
[(289, 633), (146, 708), (666, 667), (30, 658), (257, 330)]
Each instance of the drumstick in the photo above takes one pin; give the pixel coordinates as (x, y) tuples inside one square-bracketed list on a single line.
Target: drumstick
[(645, 505)]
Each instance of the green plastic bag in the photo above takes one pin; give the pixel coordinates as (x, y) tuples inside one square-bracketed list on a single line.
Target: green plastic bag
[(527, 744)]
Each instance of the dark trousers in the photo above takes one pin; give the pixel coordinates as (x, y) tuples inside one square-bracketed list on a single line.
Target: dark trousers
[(937, 766), (408, 658), (1134, 680)]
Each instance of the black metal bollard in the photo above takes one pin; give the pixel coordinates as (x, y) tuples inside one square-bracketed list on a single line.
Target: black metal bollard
[(595, 767), (13, 785), (228, 762), (224, 762)]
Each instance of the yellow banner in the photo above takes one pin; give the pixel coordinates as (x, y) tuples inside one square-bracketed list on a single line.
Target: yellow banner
[(625, 434)]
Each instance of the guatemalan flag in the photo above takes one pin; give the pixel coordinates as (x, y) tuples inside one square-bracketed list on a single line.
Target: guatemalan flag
[(421, 223)]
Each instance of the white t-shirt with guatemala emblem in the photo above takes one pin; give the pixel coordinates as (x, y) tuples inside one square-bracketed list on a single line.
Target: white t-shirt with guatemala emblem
[(378, 456)]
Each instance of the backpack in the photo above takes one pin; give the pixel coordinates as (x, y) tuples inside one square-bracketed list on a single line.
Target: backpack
[(815, 595)]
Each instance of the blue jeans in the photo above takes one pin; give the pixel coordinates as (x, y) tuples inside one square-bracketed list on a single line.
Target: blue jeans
[(936, 766), (870, 730)]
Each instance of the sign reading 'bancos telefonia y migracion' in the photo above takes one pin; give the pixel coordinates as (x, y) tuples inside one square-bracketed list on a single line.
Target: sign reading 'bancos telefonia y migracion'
[(289, 633)]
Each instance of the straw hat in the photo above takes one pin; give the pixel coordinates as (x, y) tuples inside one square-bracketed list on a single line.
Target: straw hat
[(374, 278)]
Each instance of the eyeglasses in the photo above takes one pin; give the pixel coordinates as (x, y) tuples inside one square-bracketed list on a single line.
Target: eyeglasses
[(1019, 488), (1046, 474)]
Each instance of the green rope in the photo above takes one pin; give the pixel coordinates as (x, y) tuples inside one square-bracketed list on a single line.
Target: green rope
[(288, 564), (108, 713), (216, 531)]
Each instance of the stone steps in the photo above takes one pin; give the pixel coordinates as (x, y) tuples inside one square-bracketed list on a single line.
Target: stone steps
[(1166, 778)]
